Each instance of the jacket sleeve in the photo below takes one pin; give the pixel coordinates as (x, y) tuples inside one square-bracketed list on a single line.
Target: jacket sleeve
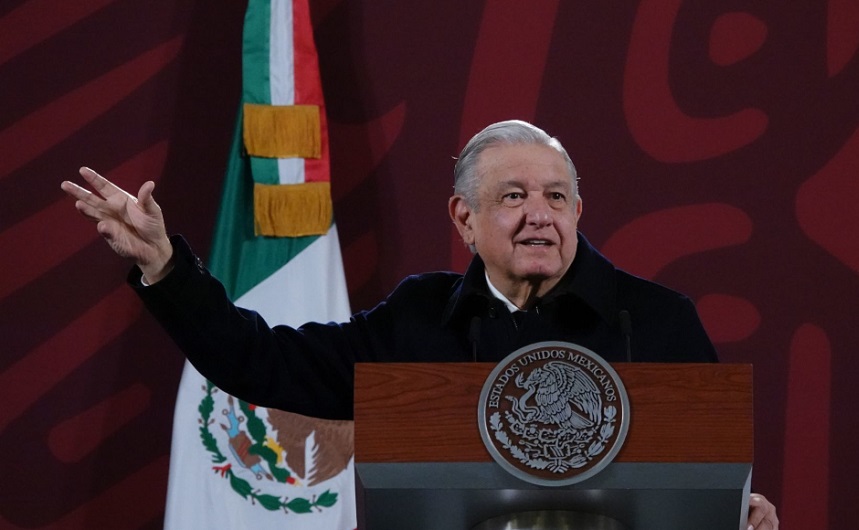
[(308, 370)]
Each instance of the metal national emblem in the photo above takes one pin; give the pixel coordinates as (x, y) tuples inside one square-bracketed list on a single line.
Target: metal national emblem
[(553, 413)]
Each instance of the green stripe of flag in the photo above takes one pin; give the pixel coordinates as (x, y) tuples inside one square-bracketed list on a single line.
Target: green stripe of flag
[(256, 76), (256, 54)]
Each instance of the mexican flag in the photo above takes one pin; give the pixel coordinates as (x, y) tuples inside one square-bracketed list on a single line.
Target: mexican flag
[(234, 465)]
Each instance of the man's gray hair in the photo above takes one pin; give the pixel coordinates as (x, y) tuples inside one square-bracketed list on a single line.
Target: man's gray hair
[(511, 132)]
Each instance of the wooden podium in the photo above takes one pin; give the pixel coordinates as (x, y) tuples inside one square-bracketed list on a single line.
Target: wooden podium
[(421, 464)]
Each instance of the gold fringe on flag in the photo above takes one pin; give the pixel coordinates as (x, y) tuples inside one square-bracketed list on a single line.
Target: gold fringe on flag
[(292, 210), (292, 131)]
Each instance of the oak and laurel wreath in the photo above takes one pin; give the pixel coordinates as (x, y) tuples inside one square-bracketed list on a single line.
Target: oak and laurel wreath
[(559, 465), (257, 430)]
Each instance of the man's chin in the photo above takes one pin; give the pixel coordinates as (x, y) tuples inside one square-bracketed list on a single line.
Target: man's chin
[(537, 275)]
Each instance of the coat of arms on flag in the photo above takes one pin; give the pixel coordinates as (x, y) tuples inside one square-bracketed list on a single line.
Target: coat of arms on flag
[(255, 448)]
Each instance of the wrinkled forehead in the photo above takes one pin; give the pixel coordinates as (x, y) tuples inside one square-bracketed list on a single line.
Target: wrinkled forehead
[(503, 162)]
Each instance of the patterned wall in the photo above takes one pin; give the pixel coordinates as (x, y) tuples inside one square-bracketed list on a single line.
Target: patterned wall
[(717, 144)]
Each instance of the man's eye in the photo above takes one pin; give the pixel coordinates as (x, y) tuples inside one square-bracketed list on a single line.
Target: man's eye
[(557, 196), (514, 196)]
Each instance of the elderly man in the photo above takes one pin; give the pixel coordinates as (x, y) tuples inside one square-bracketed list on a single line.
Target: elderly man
[(533, 278)]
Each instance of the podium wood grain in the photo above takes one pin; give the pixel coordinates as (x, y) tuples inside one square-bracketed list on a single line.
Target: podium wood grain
[(427, 412)]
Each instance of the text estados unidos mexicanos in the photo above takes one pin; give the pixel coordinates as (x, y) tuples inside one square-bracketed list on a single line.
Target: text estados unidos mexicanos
[(598, 373)]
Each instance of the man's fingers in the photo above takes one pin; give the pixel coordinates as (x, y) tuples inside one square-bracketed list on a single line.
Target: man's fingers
[(104, 187), (90, 212), (84, 197), (75, 191), (762, 513), (95, 180)]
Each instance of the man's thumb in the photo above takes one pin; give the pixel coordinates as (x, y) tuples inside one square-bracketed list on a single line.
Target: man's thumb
[(144, 197)]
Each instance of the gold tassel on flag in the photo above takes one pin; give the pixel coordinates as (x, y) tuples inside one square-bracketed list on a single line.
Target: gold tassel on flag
[(292, 210), (282, 131)]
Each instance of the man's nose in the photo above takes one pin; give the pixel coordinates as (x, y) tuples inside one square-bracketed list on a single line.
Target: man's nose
[(537, 213)]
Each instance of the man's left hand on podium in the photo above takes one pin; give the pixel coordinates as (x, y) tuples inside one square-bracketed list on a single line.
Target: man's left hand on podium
[(762, 513)]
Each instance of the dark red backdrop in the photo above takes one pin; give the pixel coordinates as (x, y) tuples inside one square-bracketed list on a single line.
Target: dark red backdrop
[(717, 142)]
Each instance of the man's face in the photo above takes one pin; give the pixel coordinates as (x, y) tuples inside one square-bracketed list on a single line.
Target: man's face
[(524, 227)]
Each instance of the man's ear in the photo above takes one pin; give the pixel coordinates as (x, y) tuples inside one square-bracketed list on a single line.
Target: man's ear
[(460, 214)]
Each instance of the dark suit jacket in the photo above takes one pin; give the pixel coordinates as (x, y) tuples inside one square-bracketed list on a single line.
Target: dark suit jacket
[(432, 317)]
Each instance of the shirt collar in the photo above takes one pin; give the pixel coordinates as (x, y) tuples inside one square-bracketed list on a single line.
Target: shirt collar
[(591, 279), (499, 295)]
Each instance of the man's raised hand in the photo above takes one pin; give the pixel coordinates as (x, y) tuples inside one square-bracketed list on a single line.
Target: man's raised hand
[(132, 226)]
